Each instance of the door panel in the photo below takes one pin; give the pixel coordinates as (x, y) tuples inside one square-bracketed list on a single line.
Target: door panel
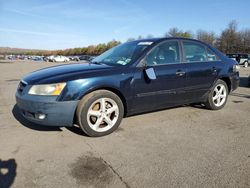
[(200, 78), (202, 68), (165, 91)]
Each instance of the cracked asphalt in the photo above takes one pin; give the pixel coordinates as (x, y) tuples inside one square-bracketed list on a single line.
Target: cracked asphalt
[(185, 146)]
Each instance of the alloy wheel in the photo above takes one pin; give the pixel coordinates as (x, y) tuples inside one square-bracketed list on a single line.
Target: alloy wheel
[(102, 114), (219, 95)]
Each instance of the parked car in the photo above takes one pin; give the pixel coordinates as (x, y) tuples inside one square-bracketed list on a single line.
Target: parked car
[(91, 58), (242, 59), (85, 58), (11, 57), (131, 78), (48, 58), (37, 58), (74, 58), (58, 58)]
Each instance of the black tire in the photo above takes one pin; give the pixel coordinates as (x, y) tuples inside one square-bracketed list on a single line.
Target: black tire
[(209, 104), (87, 101)]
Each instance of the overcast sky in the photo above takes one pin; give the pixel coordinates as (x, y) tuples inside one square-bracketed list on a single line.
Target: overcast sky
[(60, 24)]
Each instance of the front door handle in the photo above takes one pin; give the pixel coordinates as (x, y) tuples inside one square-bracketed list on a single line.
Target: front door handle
[(214, 70), (180, 73)]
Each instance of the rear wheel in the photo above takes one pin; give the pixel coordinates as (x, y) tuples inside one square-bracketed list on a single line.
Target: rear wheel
[(217, 98), (246, 64), (100, 113)]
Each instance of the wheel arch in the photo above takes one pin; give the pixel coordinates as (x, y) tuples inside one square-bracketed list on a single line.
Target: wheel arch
[(228, 82), (113, 90)]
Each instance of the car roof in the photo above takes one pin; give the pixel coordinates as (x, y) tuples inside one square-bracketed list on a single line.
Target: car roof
[(165, 38), (237, 54), (158, 40)]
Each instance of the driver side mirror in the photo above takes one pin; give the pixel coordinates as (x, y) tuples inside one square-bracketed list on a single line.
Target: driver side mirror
[(150, 73)]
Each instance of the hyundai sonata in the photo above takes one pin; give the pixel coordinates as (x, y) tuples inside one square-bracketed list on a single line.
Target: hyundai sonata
[(131, 78)]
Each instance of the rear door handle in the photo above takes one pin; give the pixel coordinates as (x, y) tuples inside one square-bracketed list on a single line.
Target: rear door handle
[(180, 73)]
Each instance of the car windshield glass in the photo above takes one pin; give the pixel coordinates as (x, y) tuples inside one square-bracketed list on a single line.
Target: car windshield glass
[(232, 55), (122, 54)]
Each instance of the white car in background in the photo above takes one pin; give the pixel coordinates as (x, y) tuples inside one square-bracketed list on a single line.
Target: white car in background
[(242, 59), (58, 58)]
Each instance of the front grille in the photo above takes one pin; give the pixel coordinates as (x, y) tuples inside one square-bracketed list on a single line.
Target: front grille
[(21, 86)]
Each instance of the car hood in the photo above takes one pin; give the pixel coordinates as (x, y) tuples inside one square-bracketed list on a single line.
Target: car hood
[(64, 73)]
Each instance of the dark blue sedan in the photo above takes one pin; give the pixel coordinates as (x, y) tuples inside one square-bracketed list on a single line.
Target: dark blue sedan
[(131, 78)]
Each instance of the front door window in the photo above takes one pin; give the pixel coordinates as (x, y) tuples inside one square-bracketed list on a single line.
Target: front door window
[(165, 53)]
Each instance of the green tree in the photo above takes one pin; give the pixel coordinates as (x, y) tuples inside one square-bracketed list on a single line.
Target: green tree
[(175, 32)]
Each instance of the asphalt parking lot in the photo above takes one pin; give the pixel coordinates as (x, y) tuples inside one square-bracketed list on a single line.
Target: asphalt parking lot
[(180, 147)]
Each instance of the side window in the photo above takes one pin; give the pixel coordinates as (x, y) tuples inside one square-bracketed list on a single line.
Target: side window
[(194, 52), (244, 56), (211, 56), (164, 53)]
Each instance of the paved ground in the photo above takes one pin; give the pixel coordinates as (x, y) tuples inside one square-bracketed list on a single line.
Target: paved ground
[(179, 147)]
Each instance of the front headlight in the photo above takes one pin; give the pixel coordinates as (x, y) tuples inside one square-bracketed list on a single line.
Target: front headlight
[(47, 89)]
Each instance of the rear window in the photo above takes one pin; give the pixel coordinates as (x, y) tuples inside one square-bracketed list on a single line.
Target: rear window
[(194, 52), (244, 56)]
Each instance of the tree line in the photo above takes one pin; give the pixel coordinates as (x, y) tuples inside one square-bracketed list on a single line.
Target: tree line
[(229, 40), (89, 50)]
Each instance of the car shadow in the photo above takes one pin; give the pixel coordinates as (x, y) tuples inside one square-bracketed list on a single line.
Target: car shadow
[(19, 117), (76, 130), (240, 95), (244, 82), (192, 105), (7, 172)]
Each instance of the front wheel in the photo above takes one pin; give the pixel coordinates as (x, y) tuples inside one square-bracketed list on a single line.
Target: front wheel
[(100, 113), (217, 98)]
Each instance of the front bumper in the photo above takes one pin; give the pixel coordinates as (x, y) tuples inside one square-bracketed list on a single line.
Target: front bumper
[(57, 113)]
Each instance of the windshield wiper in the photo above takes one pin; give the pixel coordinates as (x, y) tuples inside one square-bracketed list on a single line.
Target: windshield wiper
[(96, 63)]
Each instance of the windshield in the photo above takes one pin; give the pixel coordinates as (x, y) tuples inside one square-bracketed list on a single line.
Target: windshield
[(122, 54), (232, 55)]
